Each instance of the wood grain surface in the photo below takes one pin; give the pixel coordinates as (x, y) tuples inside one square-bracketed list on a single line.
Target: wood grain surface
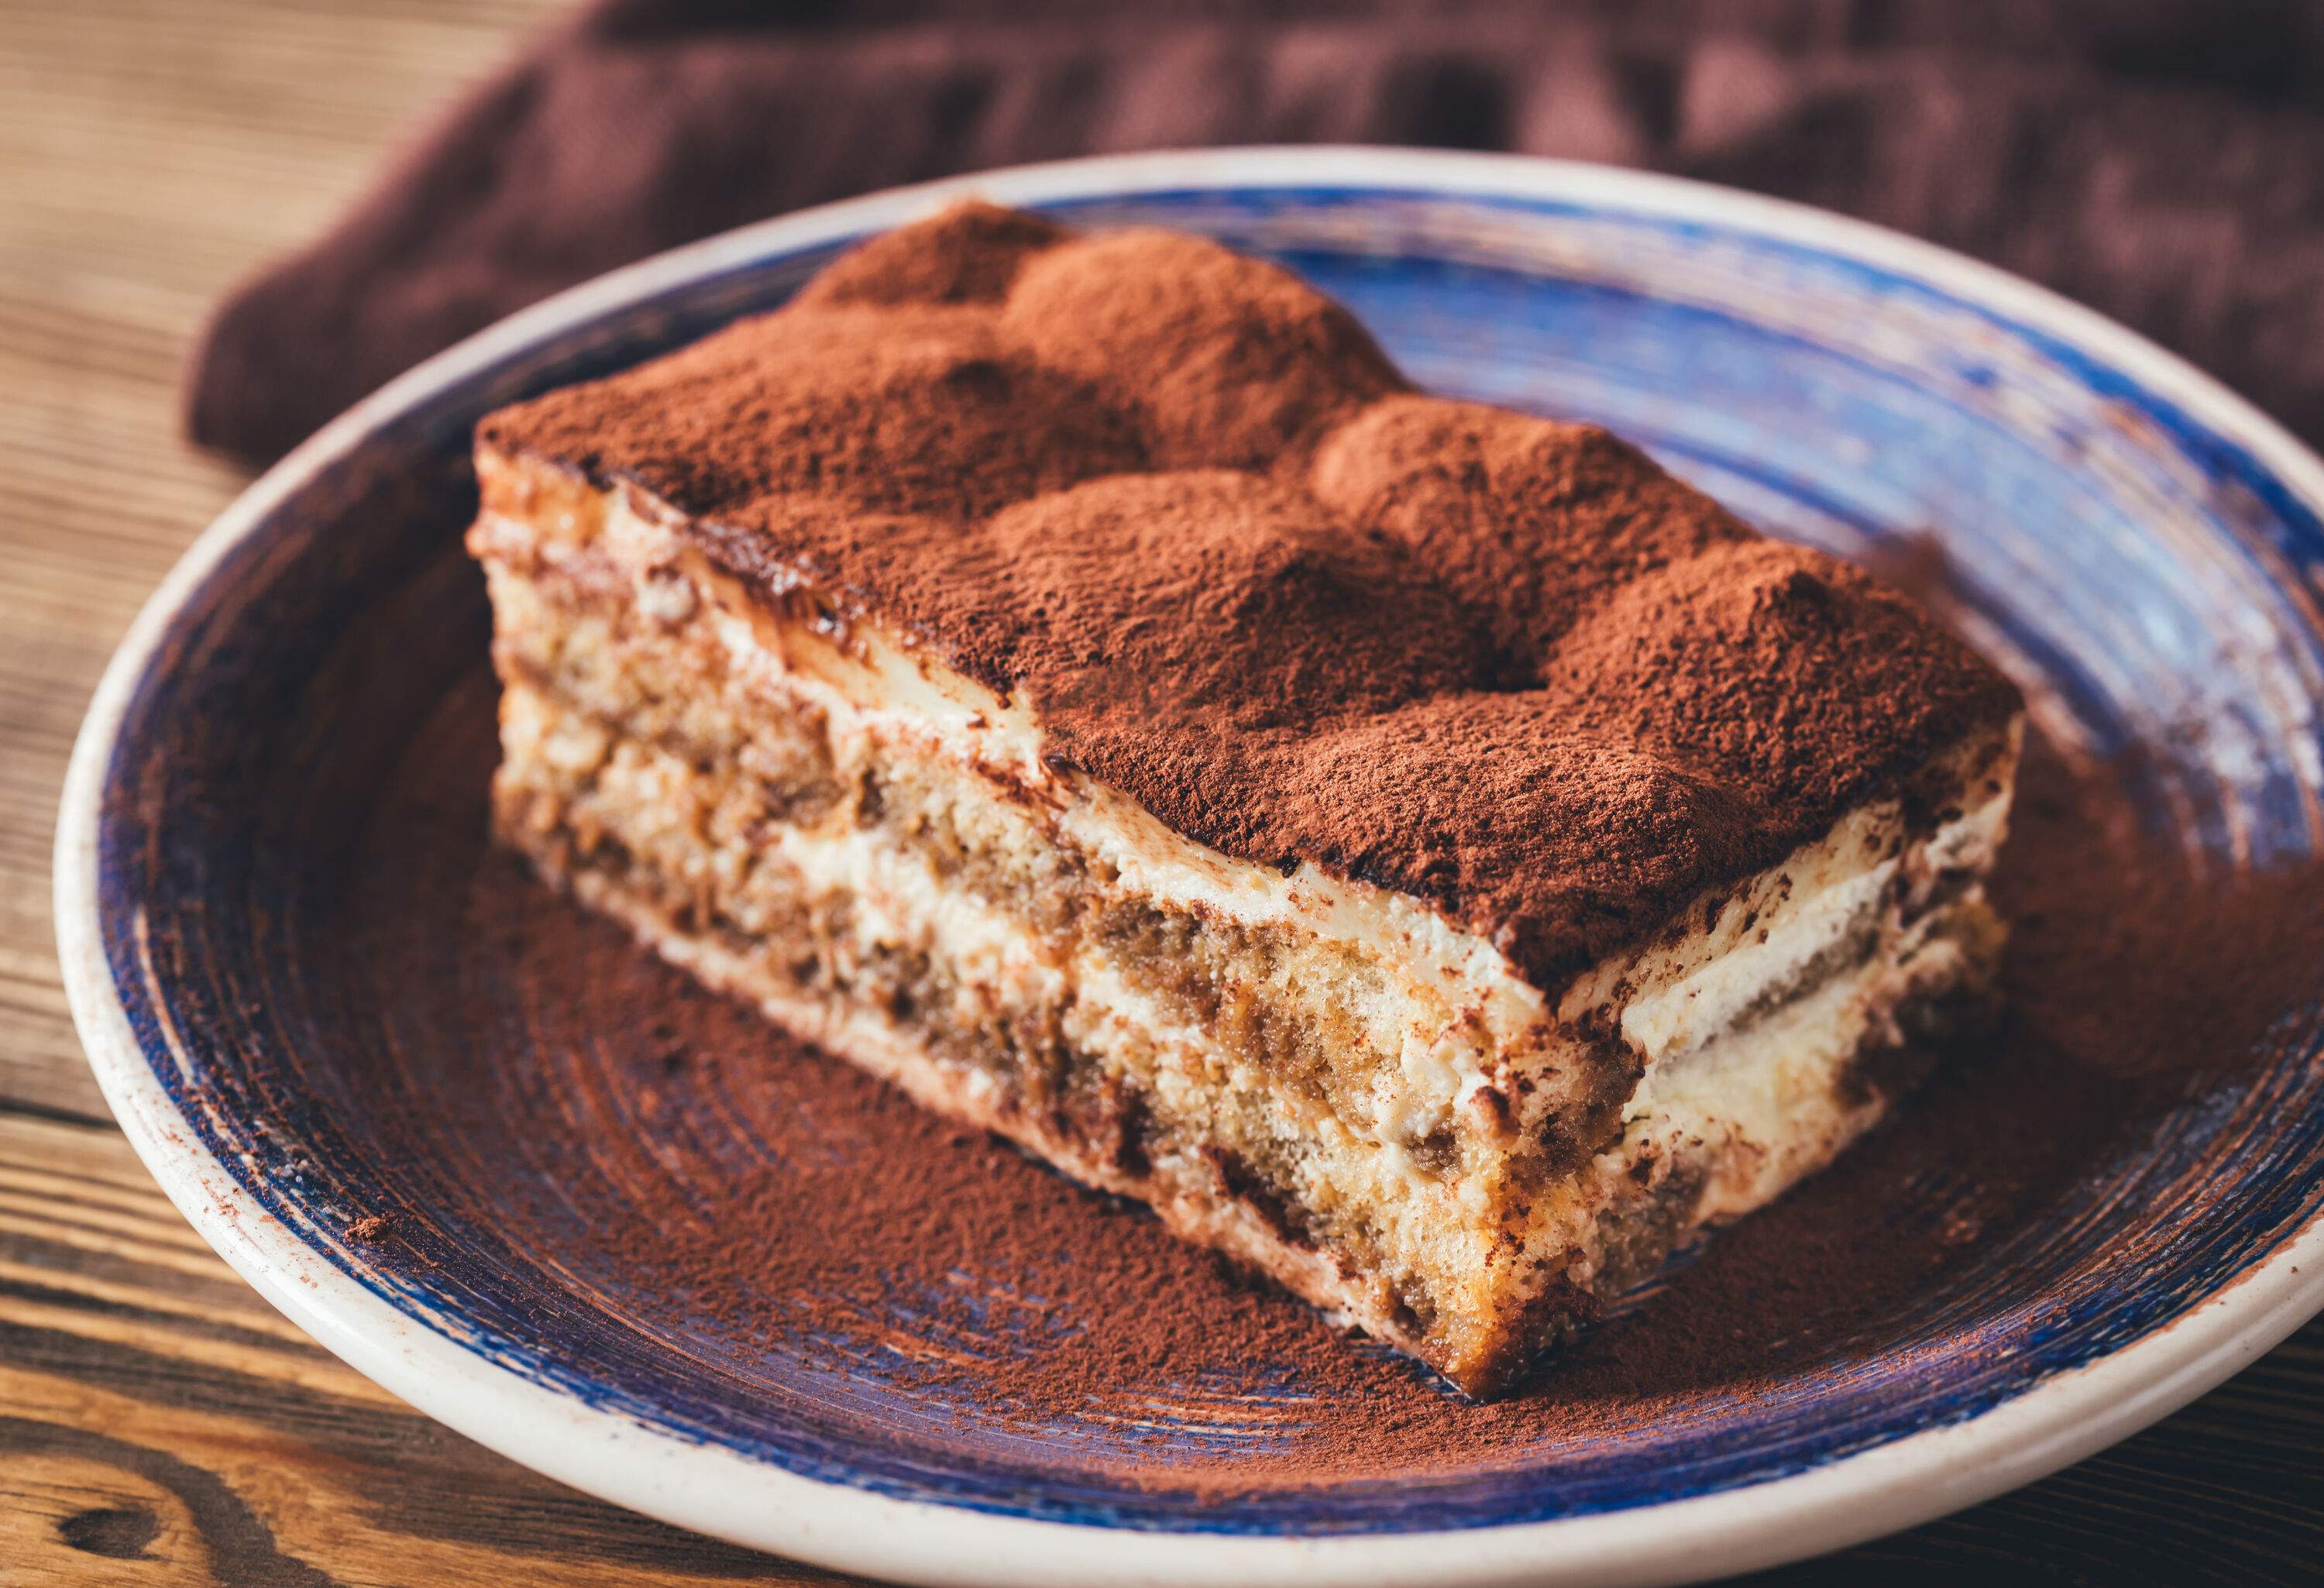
[(159, 1423)]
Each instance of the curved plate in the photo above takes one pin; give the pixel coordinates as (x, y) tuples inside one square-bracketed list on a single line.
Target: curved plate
[(281, 924)]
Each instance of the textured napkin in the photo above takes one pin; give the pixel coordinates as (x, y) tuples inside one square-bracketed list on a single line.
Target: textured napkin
[(2160, 159)]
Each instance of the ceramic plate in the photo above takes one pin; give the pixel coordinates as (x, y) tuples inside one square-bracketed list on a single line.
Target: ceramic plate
[(271, 876)]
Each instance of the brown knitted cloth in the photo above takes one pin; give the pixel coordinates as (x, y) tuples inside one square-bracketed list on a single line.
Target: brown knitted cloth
[(2161, 159)]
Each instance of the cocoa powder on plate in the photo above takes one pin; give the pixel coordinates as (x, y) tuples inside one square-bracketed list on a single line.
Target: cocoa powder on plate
[(696, 1176)]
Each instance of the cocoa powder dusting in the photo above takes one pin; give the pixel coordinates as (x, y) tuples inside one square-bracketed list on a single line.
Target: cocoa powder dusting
[(698, 1181), (1184, 505)]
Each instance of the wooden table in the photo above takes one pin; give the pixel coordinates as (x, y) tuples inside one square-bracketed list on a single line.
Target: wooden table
[(159, 1423)]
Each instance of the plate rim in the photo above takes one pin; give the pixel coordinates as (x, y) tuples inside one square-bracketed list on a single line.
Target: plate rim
[(714, 1490)]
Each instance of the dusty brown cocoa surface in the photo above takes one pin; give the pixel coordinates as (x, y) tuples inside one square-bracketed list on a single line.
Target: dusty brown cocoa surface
[(1247, 577)]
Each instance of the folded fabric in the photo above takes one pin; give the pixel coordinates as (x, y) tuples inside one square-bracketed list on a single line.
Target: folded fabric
[(2160, 159)]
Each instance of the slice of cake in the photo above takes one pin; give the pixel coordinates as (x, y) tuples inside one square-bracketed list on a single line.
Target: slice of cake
[(1422, 850)]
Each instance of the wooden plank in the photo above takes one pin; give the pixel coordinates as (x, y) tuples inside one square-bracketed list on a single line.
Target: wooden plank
[(150, 154)]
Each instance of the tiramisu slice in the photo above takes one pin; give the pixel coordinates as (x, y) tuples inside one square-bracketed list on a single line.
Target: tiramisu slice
[(1422, 850)]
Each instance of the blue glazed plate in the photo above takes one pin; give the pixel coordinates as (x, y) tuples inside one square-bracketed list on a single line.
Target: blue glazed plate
[(2128, 537)]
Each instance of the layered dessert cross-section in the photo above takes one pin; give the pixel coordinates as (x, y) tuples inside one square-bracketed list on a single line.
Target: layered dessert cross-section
[(1422, 850)]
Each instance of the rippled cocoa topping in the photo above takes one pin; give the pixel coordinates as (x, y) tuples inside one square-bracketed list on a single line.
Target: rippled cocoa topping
[(896, 408), (1528, 521), (1183, 504), (970, 254), (1227, 362)]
